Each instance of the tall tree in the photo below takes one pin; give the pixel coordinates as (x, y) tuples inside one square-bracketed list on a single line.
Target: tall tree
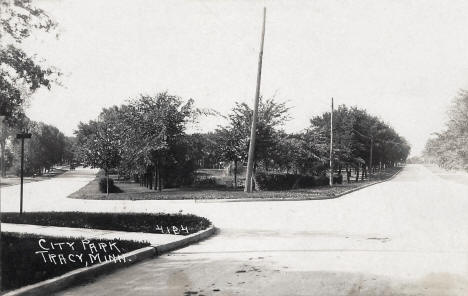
[(232, 146), (449, 148), (98, 143), (157, 138), (271, 116), (145, 137), (20, 74)]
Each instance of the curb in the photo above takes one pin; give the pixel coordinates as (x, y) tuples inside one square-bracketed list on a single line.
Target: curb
[(189, 239), (301, 198), (85, 274), (368, 185)]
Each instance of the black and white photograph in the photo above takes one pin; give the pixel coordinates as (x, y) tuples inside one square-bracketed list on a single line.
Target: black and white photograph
[(234, 147)]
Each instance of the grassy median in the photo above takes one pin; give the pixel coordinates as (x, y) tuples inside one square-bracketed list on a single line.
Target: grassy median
[(132, 191)]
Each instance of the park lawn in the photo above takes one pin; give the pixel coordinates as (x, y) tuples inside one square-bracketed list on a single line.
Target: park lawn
[(135, 222), (22, 266), (92, 188), (133, 191)]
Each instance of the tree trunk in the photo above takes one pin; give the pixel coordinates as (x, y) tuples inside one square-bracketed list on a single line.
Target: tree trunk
[(155, 179), (158, 177), (235, 174), (150, 179), (107, 183), (357, 173), (161, 182), (2, 161), (253, 175), (348, 174)]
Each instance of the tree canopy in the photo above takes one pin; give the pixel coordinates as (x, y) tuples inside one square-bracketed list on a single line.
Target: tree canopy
[(20, 74), (354, 132), (449, 148), (146, 136)]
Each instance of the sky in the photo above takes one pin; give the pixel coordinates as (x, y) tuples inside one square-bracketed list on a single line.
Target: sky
[(403, 61)]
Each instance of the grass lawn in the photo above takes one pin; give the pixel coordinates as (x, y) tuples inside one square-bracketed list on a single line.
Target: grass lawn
[(132, 191), (137, 222), (22, 266)]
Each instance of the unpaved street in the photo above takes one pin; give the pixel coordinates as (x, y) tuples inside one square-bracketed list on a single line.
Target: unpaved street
[(408, 236)]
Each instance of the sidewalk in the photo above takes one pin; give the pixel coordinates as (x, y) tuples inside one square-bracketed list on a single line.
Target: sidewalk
[(154, 239)]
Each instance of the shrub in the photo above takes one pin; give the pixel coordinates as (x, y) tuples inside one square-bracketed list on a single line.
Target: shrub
[(338, 179), (112, 187), (275, 181), (305, 182), (321, 180), (206, 183), (266, 181)]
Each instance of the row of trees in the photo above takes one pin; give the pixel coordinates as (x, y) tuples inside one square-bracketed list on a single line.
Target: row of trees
[(359, 138), (146, 139), (449, 148), (47, 147)]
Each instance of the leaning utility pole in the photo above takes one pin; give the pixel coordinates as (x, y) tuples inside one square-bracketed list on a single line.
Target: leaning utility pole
[(331, 144), (250, 162)]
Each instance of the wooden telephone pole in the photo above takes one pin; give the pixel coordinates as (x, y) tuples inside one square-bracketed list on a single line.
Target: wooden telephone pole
[(250, 162), (331, 144)]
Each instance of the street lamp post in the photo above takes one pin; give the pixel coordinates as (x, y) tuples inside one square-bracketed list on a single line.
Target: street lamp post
[(22, 136)]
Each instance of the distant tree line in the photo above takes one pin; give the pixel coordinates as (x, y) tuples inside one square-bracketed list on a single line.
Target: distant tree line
[(47, 147), (449, 147)]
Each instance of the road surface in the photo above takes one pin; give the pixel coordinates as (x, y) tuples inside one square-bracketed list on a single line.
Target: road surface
[(408, 236)]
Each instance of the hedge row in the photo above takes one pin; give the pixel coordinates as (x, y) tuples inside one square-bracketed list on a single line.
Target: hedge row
[(269, 181), (136, 222)]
